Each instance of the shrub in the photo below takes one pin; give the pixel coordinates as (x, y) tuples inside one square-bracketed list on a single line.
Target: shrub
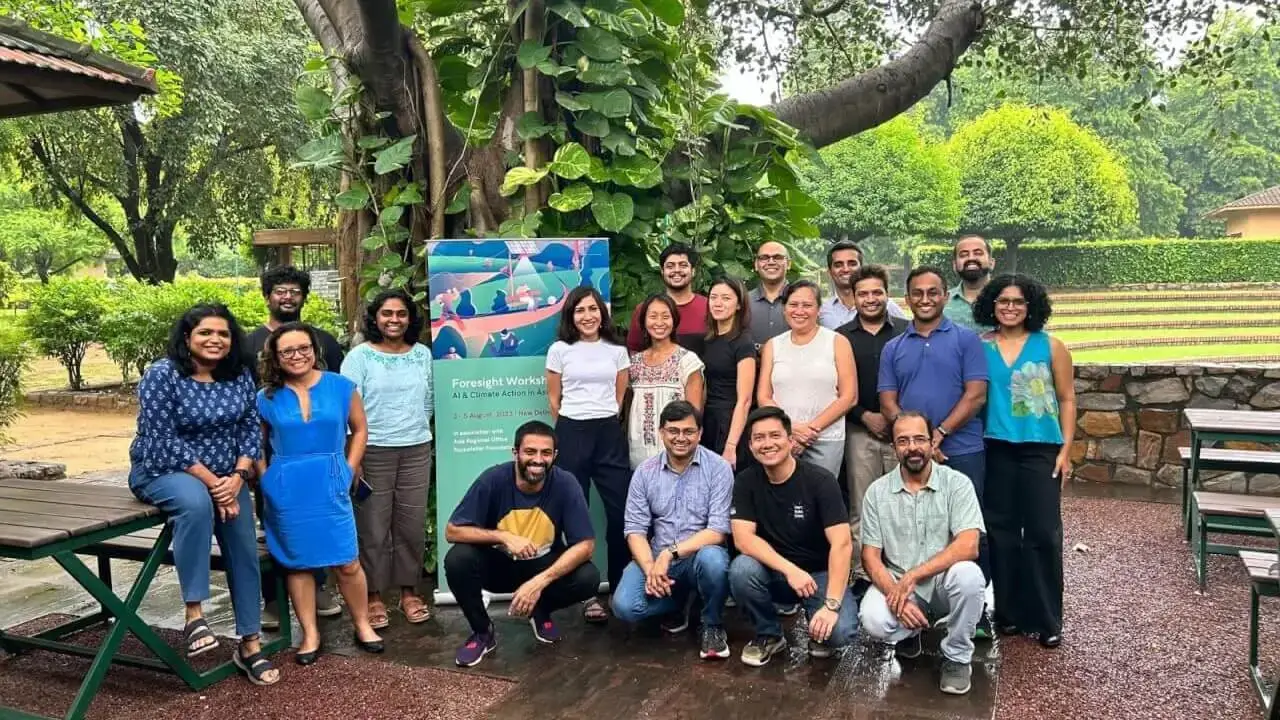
[(65, 318), (15, 355), (1133, 262)]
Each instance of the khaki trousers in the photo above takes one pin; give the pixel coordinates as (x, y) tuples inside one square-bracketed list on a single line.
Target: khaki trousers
[(866, 460)]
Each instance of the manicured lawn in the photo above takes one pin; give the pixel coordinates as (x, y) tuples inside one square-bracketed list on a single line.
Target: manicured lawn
[(1170, 353), (1070, 336), (1181, 315)]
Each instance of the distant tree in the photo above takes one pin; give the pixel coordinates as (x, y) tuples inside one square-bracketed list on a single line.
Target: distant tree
[(1028, 172), (41, 243)]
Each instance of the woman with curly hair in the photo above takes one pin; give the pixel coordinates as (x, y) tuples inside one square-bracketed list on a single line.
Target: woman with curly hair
[(1030, 422), (392, 371), (306, 488), (198, 438)]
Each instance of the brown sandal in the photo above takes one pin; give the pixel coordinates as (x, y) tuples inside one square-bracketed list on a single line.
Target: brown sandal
[(415, 611), (593, 611), (378, 619)]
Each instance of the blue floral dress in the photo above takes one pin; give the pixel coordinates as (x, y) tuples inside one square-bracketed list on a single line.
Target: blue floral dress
[(307, 487)]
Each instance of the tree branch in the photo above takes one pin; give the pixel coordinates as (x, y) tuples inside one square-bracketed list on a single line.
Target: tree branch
[(323, 30), (434, 122), (76, 199), (873, 97)]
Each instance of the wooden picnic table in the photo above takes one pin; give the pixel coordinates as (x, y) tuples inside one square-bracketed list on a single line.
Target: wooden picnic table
[(1210, 426), (41, 519)]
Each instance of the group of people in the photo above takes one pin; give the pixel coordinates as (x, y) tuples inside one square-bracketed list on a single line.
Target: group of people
[(763, 448)]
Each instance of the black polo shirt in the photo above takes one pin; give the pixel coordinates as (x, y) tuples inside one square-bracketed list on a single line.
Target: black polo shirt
[(866, 355)]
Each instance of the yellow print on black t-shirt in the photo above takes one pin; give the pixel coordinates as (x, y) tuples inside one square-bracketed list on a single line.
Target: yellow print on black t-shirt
[(532, 524)]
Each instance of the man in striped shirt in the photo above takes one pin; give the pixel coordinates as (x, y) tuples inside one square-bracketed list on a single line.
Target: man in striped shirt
[(676, 522)]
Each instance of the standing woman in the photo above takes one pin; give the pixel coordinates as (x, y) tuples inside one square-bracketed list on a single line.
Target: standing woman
[(586, 381), (306, 415), (1030, 423), (392, 371), (809, 372), (198, 438), (730, 357), (661, 372)]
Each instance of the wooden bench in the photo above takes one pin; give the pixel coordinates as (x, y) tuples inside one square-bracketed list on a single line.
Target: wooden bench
[(1247, 461), (1264, 581), (1226, 513)]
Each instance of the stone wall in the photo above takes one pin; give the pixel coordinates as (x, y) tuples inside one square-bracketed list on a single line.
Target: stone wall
[(1130, 425)]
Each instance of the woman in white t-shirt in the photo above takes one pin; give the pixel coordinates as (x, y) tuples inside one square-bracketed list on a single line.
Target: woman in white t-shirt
[(586, 380), (660, 373)]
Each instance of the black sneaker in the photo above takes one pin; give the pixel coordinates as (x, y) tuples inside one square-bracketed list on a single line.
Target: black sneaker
[(715, 643), (910, 648), (679, 621), (983, 629)]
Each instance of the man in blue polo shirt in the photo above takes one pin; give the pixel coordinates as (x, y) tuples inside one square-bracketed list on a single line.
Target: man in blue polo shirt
[(939, 368)]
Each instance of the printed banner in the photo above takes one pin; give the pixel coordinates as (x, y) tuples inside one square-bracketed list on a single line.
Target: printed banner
[(495, 309)]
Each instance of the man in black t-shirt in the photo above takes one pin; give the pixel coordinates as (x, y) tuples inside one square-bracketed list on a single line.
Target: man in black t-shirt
[(792, 530), (286, 289)]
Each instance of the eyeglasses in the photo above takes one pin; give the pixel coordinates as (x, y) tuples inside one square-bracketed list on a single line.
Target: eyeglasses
[(1011, 302), (681, 432), (286, 292), (296, 352), (905, 441), (771, 258)]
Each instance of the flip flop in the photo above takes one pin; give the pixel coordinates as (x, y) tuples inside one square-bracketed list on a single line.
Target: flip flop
[(195, 631), (593, 611)]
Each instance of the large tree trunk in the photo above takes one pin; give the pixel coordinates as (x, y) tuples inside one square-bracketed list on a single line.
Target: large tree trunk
[(860, 103)]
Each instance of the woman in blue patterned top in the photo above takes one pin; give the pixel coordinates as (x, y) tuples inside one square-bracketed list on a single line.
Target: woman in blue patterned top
[(1030, 421), (393, 373), (198, 438)]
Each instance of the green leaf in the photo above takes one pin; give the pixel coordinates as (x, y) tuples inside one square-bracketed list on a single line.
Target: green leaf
[(325, 152), (452, 71), (313, 103), (530, 126), (532, 52), (373, 242), (410, 195), (620, 143), (395, 156), (670, 12), (571, 102), (353, 198), (372, 142), (553, 69), (390, 215), (461, 199), (596, 171), (575, 197), (602, 73), (570, 12), (592, 123), (637, 171), (638, 229), (518, 177), (614, 103), (612, 211), (599, 44), (571, 161)]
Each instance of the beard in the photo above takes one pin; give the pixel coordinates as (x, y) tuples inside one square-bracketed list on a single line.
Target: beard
[(286, 316), (973, 273), (915, 462), (534, 472), (878, 317)]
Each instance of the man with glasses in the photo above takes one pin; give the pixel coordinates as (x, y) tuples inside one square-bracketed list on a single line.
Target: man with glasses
[(286, 289), (939, 369), (844, 258), (679, 265), (677, 520), (765, 301)]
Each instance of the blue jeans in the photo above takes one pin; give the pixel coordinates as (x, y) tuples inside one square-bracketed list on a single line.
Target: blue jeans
[(186, 502), (757, 588), (707, 572), (974, 465)]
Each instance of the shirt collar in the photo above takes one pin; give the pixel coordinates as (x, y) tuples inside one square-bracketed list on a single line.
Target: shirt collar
[(696, 460), (943, 326), (958, 292), (757, 293), (891, 323), (899, 486)]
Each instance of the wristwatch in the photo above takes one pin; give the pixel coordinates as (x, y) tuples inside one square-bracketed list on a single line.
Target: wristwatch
[(832, 604), (675, 551), (243, 473), (942, 431)]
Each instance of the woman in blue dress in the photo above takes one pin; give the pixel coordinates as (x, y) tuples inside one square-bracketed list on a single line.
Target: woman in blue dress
[(306, 415)]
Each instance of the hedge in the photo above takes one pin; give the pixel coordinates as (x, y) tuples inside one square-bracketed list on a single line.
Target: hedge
[(1106, 263)]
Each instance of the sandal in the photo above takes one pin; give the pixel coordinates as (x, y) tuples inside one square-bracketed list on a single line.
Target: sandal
[(593, 611), (254, 667), (194, 635), (415, 611), (378, 616)]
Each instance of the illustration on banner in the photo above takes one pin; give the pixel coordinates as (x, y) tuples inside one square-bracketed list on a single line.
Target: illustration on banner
[(502, 298)]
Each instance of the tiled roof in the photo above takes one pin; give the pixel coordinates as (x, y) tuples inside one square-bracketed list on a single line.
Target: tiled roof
[(1263, 198)]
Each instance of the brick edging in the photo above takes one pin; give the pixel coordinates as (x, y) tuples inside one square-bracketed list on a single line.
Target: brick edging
[(72, 400)]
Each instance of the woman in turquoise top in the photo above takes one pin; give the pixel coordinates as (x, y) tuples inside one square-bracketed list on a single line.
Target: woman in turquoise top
[(1030, 421), (392, 371)]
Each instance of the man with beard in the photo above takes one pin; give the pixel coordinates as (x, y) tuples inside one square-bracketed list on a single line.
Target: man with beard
[(973, 263), (677, 519), (522, 528), (843, 260), (920, 529), (679, 264), (286, 289), (765, 301), (939, 368), (792, 530), (868, 450)]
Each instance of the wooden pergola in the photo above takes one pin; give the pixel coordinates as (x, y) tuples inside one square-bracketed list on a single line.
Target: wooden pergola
[(43, 73), (285, 241)]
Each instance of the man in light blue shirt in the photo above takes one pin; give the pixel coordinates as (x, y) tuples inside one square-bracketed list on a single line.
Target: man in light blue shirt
[(676, 522), (843, 260)]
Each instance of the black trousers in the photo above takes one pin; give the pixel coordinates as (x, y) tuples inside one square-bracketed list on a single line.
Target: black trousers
[(473, 568), (596, 450), (1024, 523)]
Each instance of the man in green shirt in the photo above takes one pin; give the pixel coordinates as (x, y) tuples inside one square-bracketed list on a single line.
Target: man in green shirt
[(920, 529), (973, 263)]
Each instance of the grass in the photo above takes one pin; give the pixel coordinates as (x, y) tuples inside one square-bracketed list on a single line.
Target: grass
[(1112, 306), (1225, 317), (1165, 354), (1071, 336), (45, 373)]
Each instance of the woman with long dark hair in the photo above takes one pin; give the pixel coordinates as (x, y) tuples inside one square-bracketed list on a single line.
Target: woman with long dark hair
[(392, 371), (198, 439), (730, 357), (661, 372), (306, 415), (1030, 423), (586, 380)]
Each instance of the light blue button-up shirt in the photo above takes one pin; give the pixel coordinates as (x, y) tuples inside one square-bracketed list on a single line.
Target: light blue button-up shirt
[(668, 507), (833, 313)]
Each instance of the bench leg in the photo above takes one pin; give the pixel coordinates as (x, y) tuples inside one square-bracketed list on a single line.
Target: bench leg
[(104, 574), (1186, 502), (1193, 477), (1199, 546)]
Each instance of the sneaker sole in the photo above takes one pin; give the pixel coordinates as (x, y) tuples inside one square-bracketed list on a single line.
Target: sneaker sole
[(957, 691), (715, 654), (334, 611), (538, 636), (753, 662), (476, 662), (272, 626), (675, 629), (789, 611), (821, 653)]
